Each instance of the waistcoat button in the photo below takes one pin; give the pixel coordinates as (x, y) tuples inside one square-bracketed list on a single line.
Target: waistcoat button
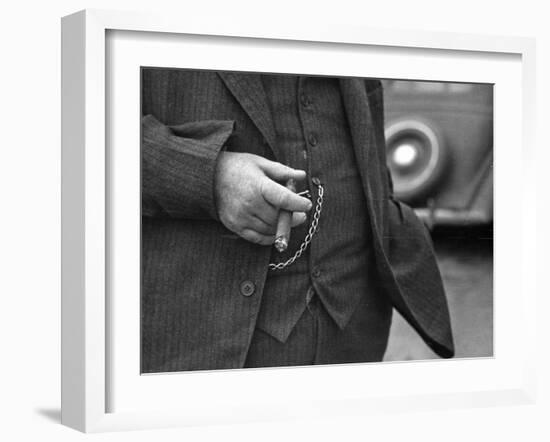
[(304, 99), (247, 288)]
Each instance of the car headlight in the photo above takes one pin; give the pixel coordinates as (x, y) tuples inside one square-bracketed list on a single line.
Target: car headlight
[(415, 156)]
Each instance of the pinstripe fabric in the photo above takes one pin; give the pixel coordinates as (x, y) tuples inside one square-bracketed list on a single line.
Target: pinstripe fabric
[(302, 107), (193, 313), (317, 339), (186, 154), (406, 264), (202, 286), (300, 348), (248, 90)]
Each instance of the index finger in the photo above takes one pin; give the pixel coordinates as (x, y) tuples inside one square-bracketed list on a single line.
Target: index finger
[(282, 198)]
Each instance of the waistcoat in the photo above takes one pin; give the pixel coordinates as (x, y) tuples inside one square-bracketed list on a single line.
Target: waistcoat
[(313, 133)]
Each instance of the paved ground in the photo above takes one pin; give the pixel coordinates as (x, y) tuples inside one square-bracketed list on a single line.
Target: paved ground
[(466, 262)]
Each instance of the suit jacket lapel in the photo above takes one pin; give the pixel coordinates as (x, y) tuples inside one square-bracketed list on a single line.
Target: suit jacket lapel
[(356, 103), (249, 92)]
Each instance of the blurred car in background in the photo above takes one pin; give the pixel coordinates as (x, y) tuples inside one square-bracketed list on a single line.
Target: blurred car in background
[(440, 149)]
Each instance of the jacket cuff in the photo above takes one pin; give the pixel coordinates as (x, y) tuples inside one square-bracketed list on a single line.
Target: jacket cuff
[(179, 165)]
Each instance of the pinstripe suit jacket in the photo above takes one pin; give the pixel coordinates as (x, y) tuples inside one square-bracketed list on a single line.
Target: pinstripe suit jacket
[(193, 313)]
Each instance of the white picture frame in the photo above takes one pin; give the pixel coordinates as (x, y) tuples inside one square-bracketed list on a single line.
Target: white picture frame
[(86, 315)]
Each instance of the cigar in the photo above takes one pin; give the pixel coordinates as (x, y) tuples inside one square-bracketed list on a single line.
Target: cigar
[(282, 236)]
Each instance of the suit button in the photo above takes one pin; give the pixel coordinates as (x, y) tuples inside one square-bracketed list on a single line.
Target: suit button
[(312, 139), (305, 100), (316, 272), (247, 288)]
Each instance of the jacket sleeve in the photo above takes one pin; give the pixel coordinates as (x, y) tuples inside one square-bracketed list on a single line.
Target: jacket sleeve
[(422, 300), (178, 167), (413, 279)]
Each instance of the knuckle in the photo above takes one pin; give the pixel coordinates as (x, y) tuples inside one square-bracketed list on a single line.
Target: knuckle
[(272, 220), (300, 218), (283, 199), (226, 220), (231, 219), (268, 230), (285, 171), (262, 187), (250, 236), (250, 202), (246, 205), (240, 214), (233, 222), (256, 239), (267, 240)]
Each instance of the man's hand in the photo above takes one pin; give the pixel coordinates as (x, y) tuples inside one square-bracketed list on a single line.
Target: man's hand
[(249, 197)]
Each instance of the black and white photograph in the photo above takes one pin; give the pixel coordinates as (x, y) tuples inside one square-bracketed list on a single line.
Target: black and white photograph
[(275, 221), (299, 220)]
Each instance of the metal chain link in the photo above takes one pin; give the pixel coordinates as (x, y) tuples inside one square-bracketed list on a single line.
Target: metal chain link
[(312, 230)]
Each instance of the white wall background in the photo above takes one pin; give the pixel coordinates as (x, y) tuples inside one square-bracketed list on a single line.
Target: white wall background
[(30, 216)]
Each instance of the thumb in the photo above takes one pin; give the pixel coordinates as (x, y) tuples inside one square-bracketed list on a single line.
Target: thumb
[(298, 218), (280, 172)]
